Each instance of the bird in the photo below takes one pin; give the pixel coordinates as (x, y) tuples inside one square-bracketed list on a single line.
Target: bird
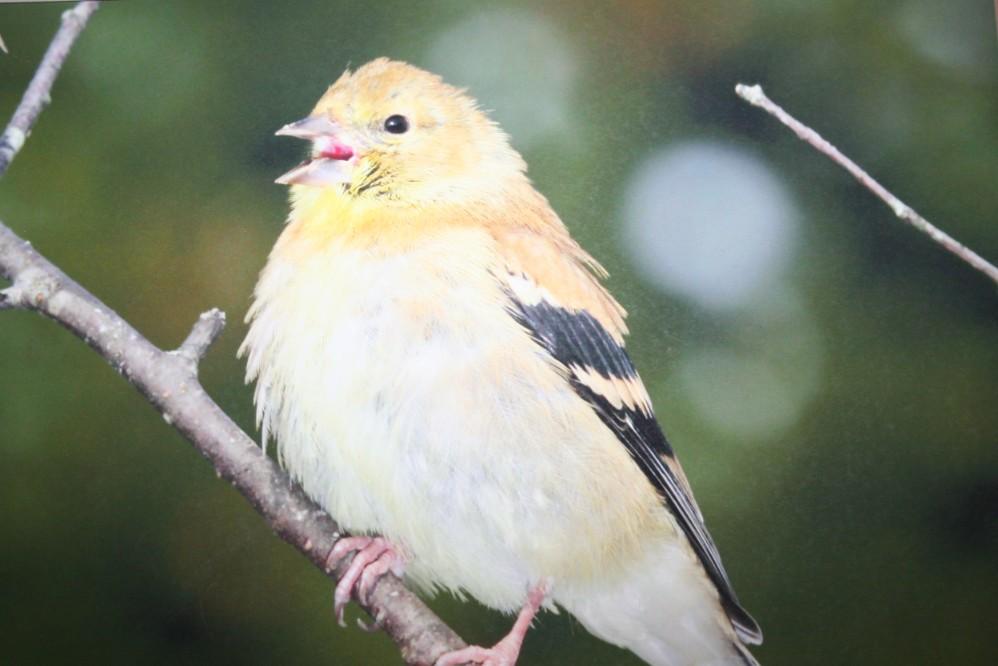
[(445, 373)]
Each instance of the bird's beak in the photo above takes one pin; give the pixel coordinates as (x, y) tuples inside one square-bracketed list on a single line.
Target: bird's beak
[(332, 158)]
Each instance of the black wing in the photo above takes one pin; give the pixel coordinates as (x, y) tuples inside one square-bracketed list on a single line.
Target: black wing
[(581, 344)]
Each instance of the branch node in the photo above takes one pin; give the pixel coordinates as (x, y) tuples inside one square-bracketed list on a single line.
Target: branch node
[(10, 298), (13, 139), (901, 209), (751, 94), (32, 289), (72, 14), (204, 332)]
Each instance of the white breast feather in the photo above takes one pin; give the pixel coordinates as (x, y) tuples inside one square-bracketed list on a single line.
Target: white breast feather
[(407, 402)]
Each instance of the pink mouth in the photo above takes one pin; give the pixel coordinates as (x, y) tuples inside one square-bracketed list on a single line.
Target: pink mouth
[(331, 161), (333, 150)]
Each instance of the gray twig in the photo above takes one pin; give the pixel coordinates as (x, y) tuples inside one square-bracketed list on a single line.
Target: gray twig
[(756, 97), (168, 380), (38, 93), (203, 334)]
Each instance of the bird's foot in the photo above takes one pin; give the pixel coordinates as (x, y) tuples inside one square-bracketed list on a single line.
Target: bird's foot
[(374, 558), (506, 651)]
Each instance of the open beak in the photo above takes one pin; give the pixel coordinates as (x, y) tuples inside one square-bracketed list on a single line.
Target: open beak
[(332, 158)]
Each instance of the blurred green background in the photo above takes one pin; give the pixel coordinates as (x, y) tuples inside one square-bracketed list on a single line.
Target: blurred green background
[(828, 377)]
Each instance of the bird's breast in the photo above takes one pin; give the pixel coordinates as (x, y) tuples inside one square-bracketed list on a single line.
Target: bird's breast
[(407, 401)]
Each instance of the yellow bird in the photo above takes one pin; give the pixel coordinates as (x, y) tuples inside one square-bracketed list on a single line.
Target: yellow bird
[(441, 366)]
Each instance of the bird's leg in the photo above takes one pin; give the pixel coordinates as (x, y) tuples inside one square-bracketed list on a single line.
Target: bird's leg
[(506, 651), (375, 557)]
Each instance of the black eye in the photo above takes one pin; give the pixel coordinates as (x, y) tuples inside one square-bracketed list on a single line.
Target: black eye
[(397, 124)]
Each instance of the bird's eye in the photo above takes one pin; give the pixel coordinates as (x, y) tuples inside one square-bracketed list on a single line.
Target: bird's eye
[(397, 124)]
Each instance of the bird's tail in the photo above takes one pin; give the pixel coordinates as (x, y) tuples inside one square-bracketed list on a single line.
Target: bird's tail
[(664, 609)]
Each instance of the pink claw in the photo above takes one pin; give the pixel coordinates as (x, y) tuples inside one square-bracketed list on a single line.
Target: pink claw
[(375, 557), (506, 651), (389, 560)]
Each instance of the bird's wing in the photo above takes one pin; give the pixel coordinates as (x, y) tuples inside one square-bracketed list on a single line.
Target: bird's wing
[(601, 372)]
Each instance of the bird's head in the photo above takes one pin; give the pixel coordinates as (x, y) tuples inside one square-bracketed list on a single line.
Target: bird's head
[(398, 134)]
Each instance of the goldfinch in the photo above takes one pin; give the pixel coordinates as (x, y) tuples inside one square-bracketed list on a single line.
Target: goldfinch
[(441, 366)]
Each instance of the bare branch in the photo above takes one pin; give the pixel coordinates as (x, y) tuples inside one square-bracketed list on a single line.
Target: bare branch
[(756, 97), (37, 95), (168, 380), (204, 333)]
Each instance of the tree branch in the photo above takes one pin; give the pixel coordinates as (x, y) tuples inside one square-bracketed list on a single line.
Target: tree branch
[(756, 97), (203, 335), (36, 97), (169, 381)]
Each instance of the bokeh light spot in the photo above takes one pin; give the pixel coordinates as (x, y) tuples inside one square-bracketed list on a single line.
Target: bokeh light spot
[(709, 221), (757, 387), (521, 67)]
